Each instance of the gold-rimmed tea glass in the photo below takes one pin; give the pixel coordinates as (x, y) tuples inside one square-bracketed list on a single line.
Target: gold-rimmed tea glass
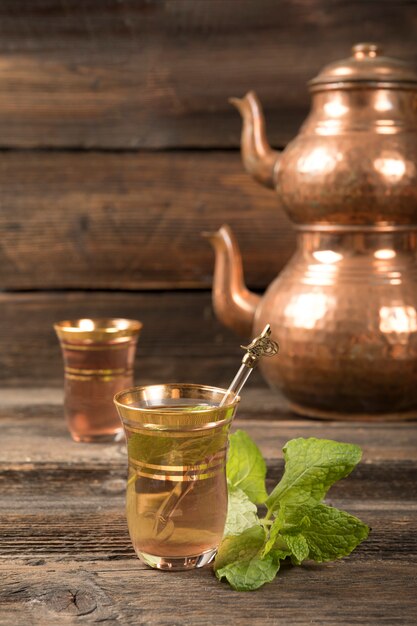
[(98, 358), (176, 501)]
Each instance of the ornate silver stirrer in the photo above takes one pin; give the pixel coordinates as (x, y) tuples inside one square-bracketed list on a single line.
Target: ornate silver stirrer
[(258, 347), (262, 345)]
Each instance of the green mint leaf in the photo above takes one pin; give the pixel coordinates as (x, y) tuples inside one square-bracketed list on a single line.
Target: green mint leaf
[(280, 554), (298, 546), (328, 532), (245, 546), (273, 540), (165, 450), (246, 468), (241, 513), (248, 575), (249, 555), (311, 467), (238, 560)]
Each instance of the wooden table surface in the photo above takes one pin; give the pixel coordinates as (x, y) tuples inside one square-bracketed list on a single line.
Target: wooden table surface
[(67, 557)]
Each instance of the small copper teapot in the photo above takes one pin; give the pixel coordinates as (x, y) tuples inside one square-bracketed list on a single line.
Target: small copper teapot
[(344, 309)]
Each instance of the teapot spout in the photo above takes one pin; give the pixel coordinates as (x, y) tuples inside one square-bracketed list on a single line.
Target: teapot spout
[(258, 157), (233, 303)]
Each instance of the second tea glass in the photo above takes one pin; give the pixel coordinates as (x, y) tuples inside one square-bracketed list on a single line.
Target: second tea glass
[(98, 357), (176, 500)]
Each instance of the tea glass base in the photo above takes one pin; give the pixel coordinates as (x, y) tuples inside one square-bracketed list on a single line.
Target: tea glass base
[(176, 563), (117, 435)]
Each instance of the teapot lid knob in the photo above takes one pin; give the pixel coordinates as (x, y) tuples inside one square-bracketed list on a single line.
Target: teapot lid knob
[(366, 50), (367, 65)]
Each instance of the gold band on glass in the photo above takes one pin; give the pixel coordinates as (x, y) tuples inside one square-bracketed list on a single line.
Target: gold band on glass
[(176, 478), (73, 373), (97, 330), (181, 473), (122, 345)]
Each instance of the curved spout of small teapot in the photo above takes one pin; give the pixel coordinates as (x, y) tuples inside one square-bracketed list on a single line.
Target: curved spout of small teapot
[(233, 303), (259, 158)]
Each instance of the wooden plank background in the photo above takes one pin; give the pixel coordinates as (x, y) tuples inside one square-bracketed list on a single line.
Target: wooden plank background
[(157, 74), (132, 220), (181, 339), (118, 147)]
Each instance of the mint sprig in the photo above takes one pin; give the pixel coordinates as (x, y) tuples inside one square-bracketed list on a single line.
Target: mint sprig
[(240, 560), (311, 467), (296, 524), (246, 468), (242, 513)]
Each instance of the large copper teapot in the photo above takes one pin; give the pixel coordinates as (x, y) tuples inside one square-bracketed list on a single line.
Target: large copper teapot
[(344, 309)]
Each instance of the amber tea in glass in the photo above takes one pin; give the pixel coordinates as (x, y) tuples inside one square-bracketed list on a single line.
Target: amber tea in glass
[(176, 499), (98, 358)]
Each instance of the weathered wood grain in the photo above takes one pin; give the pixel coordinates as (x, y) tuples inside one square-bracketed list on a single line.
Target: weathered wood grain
[(262, 413), (145, 73), (181, 340), (101, 533), (389, 482), (91, 474), (132, 221), (124, 592), (67, 557)]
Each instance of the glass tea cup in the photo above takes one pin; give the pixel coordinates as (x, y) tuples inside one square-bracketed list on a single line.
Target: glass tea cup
[(176, 501), (98, 357)]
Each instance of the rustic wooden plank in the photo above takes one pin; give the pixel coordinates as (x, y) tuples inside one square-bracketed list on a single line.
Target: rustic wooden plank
[(37, 449), (181, 339), (101, 534), (124, 592), (66, 554), (394, 483), (33, 432), (129, 73), (132, 221)]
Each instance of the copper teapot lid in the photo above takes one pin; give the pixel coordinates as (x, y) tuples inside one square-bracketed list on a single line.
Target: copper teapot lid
[(366, 65)]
